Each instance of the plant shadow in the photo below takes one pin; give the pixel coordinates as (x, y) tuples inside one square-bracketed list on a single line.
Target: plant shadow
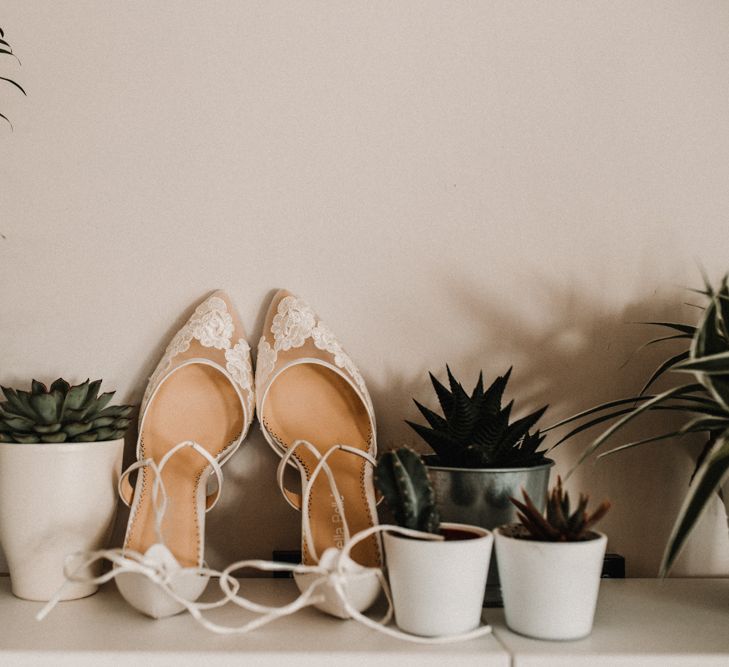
[(574, 352)]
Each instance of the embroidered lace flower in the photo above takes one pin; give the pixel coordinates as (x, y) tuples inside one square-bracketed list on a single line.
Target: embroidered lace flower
[(214, 328), (239, 363), (212, 325), (266, 362), (292, 324)]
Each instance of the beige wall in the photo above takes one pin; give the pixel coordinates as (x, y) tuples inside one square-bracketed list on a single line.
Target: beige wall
[(477, 183)]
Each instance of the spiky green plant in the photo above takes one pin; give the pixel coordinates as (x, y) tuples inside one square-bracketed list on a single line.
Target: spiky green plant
[(61, 413), (705, 404), (7, 50), (475, 432), (402, 479), (558, 523)]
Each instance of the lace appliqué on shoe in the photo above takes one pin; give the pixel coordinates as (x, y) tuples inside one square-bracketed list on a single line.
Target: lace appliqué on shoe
[(293, 324), (212, 325), (265, 365), (238, 364)]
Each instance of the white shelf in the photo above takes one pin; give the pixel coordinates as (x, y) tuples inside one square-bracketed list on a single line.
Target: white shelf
[(639, 622), (103, 630)]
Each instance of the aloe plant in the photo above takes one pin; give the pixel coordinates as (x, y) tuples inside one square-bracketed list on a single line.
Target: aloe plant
[(61, 413), (475, 431), (558, 523), (704, 402), (7, 50), (402, 479)]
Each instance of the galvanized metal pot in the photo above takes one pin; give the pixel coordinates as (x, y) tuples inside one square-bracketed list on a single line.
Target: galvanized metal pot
[(480, 496)]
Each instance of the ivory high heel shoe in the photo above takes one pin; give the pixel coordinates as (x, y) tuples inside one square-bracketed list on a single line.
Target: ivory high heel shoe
[(197, 409), (313, 403)]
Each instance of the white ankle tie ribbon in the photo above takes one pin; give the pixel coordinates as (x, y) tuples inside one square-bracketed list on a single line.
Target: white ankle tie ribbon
[(335, 570)]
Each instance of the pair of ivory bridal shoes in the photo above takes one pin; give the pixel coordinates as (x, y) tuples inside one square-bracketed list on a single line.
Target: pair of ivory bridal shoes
[(199, 404), (316, 414)]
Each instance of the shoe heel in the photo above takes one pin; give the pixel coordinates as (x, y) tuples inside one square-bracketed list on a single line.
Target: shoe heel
[(154, 598)]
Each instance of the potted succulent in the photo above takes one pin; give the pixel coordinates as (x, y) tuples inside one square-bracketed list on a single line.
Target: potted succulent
[(7, 50), (550, 567), (60, 459), (704, 401), (438, 584), (482, 458)]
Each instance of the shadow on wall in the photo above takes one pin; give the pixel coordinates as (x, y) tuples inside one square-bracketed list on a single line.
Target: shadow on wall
[(570, 352), (574, 353)]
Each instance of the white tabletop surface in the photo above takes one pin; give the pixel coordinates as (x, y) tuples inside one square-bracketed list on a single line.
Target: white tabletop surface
[(638, 622), (103, 630)]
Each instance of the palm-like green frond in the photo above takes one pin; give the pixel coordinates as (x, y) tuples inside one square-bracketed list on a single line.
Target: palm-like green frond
[(705, 402)]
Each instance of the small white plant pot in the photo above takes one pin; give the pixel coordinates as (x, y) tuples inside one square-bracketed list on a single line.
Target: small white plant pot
[(549, 588), (56, 499), (438, 587)]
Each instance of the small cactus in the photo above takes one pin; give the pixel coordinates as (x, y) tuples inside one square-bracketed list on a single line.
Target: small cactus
[(61, 413), (558, 525), (401, 477)]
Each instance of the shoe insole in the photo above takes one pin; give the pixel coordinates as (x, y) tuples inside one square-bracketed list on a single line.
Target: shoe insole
[(196, 402), (311, 402)]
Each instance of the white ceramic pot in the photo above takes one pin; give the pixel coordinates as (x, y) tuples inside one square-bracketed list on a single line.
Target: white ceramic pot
[(438, 587), (550, 588), (55, 500)]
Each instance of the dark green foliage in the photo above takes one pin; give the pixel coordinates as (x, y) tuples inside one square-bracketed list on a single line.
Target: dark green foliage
[(402, 478), (705, 402), (61, 413), (7, 50), (475, 432), (559, 523)]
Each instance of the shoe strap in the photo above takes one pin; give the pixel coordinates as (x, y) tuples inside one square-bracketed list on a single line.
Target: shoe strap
[(337, 575), (298, 501), (126, 490), (294, 499)]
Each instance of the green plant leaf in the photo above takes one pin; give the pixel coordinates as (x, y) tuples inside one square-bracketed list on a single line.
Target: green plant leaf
[(26, 438), (706, 482), (598, 442), (116, 411), (37, 387), (444, 396), (19, 423), (45, 429), (60, 385), (668, 364), (683, 328), (707, 342), (714, 364), (54, 437), (438, 441), (76, 396), (637, 443), (77, 428), (435, 420), (598, 408), (105, 433), (45, 407), (705, 424), (93, 392)]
